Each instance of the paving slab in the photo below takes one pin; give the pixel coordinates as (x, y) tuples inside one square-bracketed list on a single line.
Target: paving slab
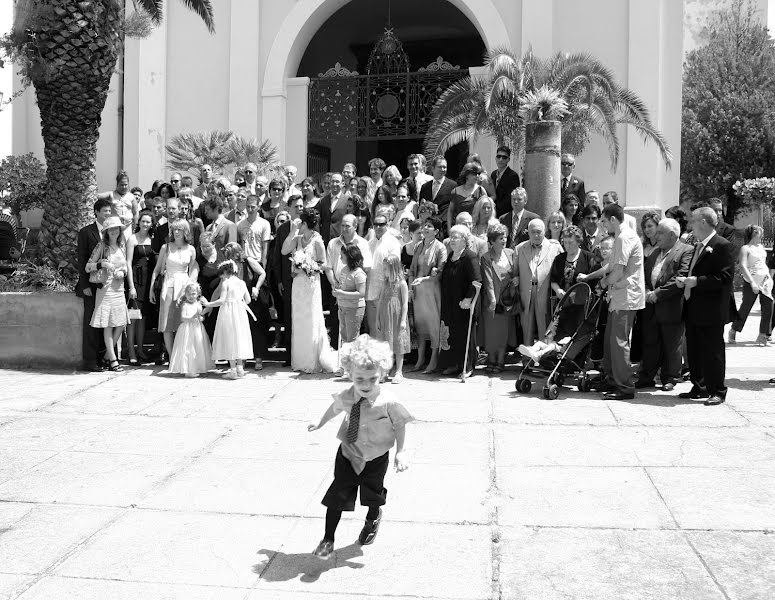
[(670, 411), (12, 585), (742, 562), (46, 432), (591, 564), (448, 443), (46, 533), (248, 486), (527, 410), (278, 440), (580, 497), (406, 559), (89, 478), (176, 547), (761, 419), (68, 588), (702, 498), (15, 462)]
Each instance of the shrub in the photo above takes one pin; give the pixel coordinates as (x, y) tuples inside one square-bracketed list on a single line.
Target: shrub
[(22, 183)]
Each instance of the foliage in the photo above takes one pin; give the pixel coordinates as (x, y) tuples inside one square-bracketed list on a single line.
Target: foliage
[(576, 89), (755, 192), (22, 182), (29, 277), (224, 151), (728, 121)]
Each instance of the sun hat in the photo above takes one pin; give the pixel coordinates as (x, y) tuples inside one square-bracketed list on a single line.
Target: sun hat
[(112, 222)]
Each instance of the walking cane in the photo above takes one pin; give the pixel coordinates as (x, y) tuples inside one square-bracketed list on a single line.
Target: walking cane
[(477, 286)]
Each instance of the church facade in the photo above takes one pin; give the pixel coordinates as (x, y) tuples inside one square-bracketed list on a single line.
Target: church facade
[(302, 73)]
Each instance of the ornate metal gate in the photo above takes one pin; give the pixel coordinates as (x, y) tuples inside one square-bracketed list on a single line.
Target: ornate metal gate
[(390, 101)]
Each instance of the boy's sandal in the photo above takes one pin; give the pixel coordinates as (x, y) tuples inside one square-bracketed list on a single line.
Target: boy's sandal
[(369, 531), (114, 365), (324, 550)]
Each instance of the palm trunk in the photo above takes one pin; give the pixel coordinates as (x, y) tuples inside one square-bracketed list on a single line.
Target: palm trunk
[(78, 43), (542, 166)]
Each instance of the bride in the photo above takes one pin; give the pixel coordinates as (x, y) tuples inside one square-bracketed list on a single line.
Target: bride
[(311, 350)]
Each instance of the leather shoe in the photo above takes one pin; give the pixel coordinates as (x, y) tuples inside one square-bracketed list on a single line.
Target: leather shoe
[(668, 387), (642, 384), (694, 394), (92, 368), (617, 395), (714, 400)]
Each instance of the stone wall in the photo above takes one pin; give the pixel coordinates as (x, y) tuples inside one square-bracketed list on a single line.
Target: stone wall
[(40, 329)]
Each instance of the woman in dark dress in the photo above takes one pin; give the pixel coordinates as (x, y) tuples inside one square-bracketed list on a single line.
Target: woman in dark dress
[(207, 257), (564, 274), (465, 196), (140, 255), (457, 292)]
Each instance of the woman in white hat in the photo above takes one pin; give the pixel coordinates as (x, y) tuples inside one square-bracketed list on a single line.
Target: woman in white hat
[(110, 311)]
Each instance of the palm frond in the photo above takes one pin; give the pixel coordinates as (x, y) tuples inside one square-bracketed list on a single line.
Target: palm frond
[(462, 95), (599, 118), (240, 151), (154, 8), (203, 8), (543, 104), (189, 151), (649, 133)]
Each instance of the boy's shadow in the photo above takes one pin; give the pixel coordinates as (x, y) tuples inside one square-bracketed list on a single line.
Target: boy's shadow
[(280, 566)]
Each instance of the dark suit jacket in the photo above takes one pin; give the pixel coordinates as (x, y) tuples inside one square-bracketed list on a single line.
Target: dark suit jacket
[(732, 235), (575, 187), (331, 223), (507, 183), (88, 238), (281, 265), (160, 235), (709, 301), (443, 198), (522, 234), (670, 298)]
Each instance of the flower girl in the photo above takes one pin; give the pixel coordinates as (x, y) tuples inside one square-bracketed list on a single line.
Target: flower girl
[(232, 340), (191, 353)]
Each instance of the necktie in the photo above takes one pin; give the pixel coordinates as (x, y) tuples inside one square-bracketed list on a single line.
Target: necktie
[(436, 186), (695, 257), (564, 185), (355, 417), (514, 226)]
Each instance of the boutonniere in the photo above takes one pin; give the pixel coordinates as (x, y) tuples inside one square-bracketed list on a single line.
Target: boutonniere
[(708, 249)]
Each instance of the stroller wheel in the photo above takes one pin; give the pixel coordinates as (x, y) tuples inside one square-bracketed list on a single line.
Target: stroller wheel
[(559, 379), (552, 392), (583, 384), (523, 385)]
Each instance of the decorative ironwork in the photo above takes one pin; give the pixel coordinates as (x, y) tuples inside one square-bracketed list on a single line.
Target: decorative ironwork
[(338, 71), (388, 102), (387, 55), (439, 65)]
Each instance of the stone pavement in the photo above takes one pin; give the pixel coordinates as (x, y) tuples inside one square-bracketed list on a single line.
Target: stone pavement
[(143, 486)]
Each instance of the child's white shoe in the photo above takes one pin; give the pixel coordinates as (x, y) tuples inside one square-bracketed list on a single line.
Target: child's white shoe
[(192, 375), (230, 374), (398, 378), (240, 372)]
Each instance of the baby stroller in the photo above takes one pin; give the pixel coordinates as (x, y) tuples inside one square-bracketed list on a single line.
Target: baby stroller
[(576, 317)]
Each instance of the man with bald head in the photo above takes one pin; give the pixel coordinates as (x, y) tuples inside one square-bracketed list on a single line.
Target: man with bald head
[(663, 329), (348, 235), (532, 266)]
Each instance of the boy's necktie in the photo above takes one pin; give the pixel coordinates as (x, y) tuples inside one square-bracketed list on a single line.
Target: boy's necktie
[(355, 417)]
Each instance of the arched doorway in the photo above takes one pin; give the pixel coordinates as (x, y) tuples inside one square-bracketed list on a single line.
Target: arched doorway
[(375, 75)]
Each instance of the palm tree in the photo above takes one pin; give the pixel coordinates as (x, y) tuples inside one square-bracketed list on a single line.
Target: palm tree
[(493, 104), (68, 51)]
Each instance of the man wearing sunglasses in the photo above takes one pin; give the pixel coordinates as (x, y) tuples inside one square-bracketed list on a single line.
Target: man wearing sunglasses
[(505, 180), (250, 178), (569, 183)]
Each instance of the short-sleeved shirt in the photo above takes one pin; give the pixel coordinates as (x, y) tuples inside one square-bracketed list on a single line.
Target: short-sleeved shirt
[(376, 426), (349, 282), (253, 235), (335, 254), (628, 252)]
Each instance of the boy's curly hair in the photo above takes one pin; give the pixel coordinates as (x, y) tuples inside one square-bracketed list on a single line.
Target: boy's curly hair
[(367, 353)]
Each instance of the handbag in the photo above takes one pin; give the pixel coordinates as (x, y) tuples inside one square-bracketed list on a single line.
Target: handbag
[(134, 312), (100, 276), (508, 302)]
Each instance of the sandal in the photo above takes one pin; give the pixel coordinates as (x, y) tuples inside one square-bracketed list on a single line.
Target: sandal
[(115, 366)]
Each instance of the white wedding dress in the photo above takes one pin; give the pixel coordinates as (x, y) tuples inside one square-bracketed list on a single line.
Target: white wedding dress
[(311, 350)]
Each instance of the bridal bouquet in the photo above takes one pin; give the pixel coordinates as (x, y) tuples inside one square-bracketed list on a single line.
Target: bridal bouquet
[(304, 262)]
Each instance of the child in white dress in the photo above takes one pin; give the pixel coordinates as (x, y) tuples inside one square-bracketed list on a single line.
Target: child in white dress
[(191, 352), (232, 340)]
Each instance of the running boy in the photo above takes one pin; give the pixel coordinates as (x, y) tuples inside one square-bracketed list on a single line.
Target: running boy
[(375, 421)]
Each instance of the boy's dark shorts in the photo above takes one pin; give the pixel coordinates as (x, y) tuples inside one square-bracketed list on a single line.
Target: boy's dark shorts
[(341, 494)]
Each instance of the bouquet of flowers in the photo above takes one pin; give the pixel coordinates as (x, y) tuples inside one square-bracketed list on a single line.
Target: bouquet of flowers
[(304, 262)]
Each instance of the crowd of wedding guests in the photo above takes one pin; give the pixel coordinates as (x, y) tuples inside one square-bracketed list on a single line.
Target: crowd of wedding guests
[(455, 273)]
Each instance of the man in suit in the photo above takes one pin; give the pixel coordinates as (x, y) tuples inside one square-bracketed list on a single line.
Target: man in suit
[(222, 230), (735, 237), (532, 266), (332, 207), (439, 189), (417, 176), (663, 329), (627, 295), (280, 271), (569, 183), (205, 177), (707, 289), (239, 212), (92, 342), (163, 231), (516, 221), (504, 179)]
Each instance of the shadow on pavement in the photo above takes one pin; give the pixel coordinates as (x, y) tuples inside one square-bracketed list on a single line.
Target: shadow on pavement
[(280, 566)]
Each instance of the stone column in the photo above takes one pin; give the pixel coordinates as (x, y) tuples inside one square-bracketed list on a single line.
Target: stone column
[(542, 167), (273, 119), (298, 125)]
